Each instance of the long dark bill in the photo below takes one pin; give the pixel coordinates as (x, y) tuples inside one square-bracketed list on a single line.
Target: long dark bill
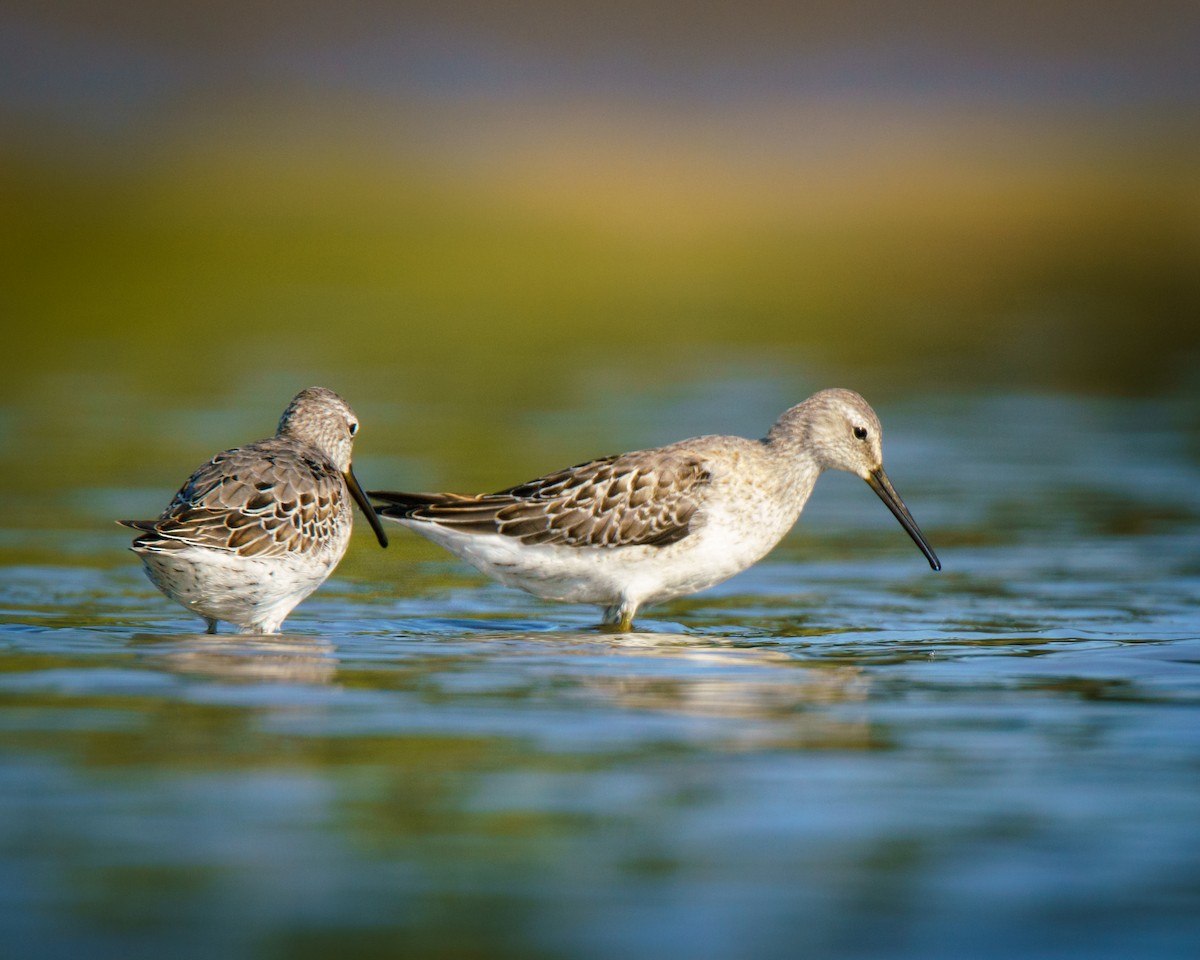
[(365, 506), (879, 482)]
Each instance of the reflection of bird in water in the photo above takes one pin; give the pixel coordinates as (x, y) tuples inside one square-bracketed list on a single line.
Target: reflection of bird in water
[(652, 525), (784, 702), (258, 528), (281, 659)]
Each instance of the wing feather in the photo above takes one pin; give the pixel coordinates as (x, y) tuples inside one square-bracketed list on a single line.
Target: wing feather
[(264, 499), (647, 498)]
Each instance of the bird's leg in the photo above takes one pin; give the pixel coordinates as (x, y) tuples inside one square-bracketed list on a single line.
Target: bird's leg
[(619, 617)]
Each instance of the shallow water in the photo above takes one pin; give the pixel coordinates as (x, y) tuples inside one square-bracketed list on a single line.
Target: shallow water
[(836, 753)]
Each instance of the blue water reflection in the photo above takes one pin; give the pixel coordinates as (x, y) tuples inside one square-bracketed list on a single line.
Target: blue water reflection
[(837, 753)]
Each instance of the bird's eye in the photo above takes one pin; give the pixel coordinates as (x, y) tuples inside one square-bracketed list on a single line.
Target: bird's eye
[(353, 429), (860, 433)]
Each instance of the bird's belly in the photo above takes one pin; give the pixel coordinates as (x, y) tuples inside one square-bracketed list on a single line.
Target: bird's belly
[(572, 574), (723, 547), (605, 575), (239, 590)]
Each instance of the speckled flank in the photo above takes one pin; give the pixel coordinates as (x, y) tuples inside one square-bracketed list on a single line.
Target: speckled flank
[(647, 526)]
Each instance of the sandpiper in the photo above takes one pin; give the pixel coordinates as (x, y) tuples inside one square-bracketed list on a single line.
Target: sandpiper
[(258, 528), (651, 525)]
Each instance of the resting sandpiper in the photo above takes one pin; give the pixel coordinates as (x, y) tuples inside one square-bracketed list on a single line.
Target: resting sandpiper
[(651, 525), (258, 528)]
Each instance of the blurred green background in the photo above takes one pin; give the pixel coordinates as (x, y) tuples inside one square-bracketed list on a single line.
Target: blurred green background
[(463, 217), (515, 236)]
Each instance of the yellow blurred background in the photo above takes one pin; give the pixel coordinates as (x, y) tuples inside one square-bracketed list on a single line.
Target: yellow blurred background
[(484, 209)]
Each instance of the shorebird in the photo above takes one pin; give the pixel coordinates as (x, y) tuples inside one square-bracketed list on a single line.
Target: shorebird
[(652, 525), (258, 528)]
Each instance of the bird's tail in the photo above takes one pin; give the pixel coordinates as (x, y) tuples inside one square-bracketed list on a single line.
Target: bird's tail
[(147, 525), (401, 506)]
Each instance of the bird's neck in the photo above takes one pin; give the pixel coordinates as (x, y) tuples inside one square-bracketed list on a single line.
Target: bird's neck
[(795, 468)]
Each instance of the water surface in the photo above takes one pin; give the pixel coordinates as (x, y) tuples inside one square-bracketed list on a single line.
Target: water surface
[(837, 753)]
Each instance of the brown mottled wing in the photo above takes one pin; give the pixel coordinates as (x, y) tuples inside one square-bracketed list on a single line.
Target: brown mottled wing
[(635, 499), (262, 500)]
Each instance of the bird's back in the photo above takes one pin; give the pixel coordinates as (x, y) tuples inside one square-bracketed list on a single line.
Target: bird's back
[(271, 498)]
